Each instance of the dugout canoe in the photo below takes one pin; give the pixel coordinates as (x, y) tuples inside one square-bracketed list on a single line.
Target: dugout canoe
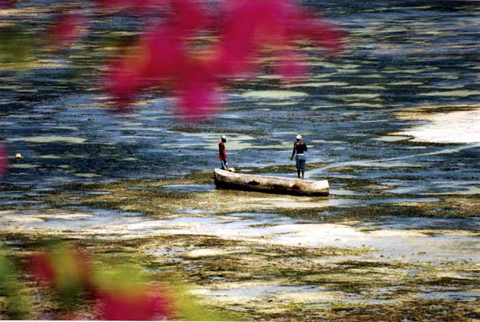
[(280, 185)]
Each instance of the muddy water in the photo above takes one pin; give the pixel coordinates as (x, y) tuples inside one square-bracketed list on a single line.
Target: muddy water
[(392, 123)]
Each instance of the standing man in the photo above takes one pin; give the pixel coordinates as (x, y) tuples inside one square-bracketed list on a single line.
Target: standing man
[(222, 152), (300, 147)]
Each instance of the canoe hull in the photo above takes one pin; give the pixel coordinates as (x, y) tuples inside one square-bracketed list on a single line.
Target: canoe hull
[(278, 185)]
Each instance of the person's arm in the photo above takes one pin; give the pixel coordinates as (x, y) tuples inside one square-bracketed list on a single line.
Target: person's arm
[(293, 152), (306, 149)]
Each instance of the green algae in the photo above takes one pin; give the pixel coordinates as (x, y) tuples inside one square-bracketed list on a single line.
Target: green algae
[(253, 263), (350, 284)]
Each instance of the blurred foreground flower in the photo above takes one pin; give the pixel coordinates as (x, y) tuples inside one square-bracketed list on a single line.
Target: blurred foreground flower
[(67, 29), (78, 289), (277, 25), (16, 305), (64, 268), (118, 294), (190, 49), (142, 303), (176, 55)]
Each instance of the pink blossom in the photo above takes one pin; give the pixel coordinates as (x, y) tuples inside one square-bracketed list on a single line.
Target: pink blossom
[(198, 97), (43, 268), (66, 266), (250, 25), (67, 29), (318, 31), (156, 60), (291, 66), (123, 82), (142, 304), (253, 26), (165, 55), (188, 16)]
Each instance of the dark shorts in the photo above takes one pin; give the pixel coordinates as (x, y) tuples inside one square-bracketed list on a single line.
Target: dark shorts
[(301, 161)]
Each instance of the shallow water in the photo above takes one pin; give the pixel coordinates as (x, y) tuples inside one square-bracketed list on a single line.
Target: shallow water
[(262, 291), (401, 55), (393, 237)]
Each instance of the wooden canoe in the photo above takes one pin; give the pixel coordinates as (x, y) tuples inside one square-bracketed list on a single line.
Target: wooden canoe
[(293, 186)]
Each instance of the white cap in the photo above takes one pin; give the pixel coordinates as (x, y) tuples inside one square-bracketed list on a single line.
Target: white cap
[(299, 137), (224, 138)]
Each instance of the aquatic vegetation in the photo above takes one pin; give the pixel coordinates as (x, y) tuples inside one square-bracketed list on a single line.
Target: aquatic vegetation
[(82, 287), (65, 269), (260, 280), (16, 305), (14, 48)]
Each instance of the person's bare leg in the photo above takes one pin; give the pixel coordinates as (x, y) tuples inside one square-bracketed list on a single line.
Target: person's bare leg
[(303, 174), (298, 173)]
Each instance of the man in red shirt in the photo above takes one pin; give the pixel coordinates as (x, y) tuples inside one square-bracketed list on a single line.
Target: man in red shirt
[(222, 152)]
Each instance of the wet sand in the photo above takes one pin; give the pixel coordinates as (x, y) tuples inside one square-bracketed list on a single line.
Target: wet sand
[(266, 256)]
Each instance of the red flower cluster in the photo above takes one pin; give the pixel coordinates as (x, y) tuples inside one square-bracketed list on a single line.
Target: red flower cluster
[(69, 271), (63, 268), (165, 55), (67, 29), (142, 304), (195, 50)]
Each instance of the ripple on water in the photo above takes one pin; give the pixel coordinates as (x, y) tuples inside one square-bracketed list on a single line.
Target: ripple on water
[(98, 192), (193, 211), (472, 223), (179, 188), (343, 192), (189, 187), (464, 93), (391, 138), (87, 175), (438, 189), (451, 296), (281, 95), (23, 166), (49, 139), (264, 291)]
